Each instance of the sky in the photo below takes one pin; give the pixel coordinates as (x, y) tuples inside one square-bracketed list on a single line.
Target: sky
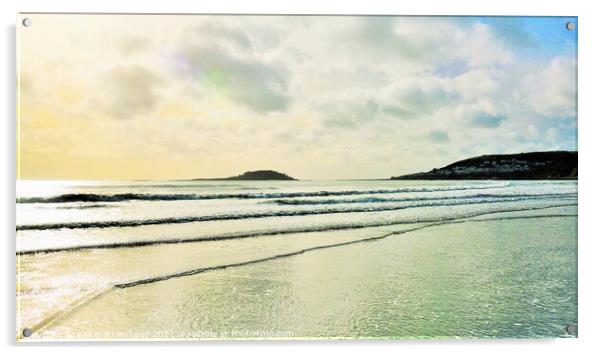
[(315, 97)]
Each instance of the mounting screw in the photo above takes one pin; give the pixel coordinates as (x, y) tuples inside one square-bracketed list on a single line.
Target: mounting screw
[(570, 26), (27, 22), (571, 329), (27, 332)]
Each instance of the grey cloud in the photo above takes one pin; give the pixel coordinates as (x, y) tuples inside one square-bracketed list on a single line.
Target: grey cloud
[(379, 32), (415, 102), (487, 120), (130, 91), (259, 85), (397, 111), (351, 115), (438, 136), (217, 32), (406, 104), (340, 122), (418, 100), (376, 35)]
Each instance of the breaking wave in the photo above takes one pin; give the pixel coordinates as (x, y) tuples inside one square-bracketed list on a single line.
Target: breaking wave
[(303, 229), (249, 215), (296, 202), (89, 197)]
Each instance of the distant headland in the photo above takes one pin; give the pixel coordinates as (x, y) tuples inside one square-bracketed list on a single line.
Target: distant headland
[(255, 175), (555, 165), (552, 165)]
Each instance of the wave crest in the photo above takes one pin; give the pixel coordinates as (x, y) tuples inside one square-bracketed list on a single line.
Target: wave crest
[(88, 197)]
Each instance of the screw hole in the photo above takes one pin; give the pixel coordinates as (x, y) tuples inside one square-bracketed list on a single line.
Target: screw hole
[(571, 329), (27, 332), (570, 26)]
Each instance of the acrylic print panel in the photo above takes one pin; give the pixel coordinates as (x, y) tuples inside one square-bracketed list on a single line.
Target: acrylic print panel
[(270, 177)]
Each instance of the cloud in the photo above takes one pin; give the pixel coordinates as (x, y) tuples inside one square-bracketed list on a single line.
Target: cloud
[(374, 107), (486, 120), (134, 45), (352, 114), (391, 94), (511, 31), (452, 68), (224, 61), (258, 85), (551, 90), (408, 39), (221, 33), (438, 136), (417, 101), (129, 91)]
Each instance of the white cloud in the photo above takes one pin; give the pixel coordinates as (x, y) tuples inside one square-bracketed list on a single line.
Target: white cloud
[(382, 91), (550, 91)]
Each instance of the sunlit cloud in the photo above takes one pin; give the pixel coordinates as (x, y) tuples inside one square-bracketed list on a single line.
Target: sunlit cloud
[(314, 97)]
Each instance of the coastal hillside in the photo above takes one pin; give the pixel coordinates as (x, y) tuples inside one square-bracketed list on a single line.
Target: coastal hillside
[(257, 175), (523, 166)]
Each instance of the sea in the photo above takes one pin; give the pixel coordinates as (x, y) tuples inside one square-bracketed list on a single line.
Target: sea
[(373, 259)]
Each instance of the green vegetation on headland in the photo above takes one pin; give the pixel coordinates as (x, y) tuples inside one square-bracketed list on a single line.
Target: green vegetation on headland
[(553, 165), (257, 175)]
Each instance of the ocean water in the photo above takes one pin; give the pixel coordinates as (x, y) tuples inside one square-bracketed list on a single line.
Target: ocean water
[(301, 259)]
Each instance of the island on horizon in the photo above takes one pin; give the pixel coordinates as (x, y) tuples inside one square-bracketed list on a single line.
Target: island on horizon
[(256, 175), (552, 165)]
